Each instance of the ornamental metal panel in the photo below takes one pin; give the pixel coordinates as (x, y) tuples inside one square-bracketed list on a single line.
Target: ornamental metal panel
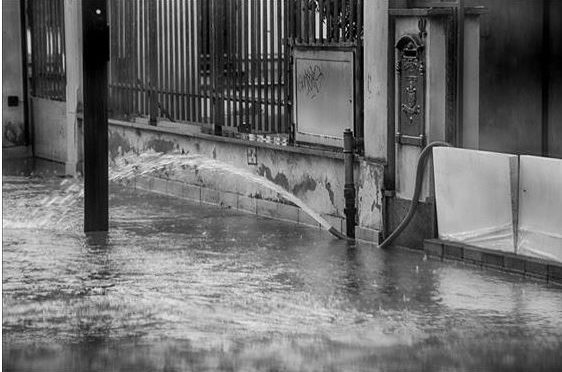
[(410, 77)]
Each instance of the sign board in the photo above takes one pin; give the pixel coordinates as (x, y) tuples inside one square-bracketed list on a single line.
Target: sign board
[(324, 99)]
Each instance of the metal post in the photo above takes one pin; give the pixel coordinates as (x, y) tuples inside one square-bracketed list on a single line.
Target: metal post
[(349, 187), (95, 35), (152, 61), (218, 21)]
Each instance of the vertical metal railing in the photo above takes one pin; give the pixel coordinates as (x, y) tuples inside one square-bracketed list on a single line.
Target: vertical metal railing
[(48, 70), (218, 62), (326, 22)]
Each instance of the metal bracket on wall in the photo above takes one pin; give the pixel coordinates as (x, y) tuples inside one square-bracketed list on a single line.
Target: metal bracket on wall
[(403, 139)]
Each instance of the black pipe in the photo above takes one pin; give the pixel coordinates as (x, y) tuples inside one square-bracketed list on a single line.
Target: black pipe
[(349, 187), (422, 161)]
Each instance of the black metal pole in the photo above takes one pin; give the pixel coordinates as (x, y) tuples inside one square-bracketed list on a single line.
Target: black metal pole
[(95, 35), (349, 187)]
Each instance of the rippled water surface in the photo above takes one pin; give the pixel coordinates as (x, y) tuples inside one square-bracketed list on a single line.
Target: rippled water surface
[(180, 286)]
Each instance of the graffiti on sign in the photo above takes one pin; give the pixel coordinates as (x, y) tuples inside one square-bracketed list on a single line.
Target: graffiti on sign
[(310, 81)]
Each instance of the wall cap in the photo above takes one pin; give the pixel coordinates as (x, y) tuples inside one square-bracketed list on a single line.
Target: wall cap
[(212, 138)]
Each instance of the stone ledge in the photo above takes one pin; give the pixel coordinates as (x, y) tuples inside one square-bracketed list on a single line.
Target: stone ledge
[(187, 130), (509, 262)]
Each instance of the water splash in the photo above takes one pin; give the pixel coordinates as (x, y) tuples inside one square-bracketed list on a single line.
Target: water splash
[(133, 165), (54, 210)]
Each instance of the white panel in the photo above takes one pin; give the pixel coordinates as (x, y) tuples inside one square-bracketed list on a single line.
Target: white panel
[(324, 95), (540, 213), (476, 196), (49, 126)]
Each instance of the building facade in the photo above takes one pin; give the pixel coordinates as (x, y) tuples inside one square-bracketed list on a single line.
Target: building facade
[(269, 86)]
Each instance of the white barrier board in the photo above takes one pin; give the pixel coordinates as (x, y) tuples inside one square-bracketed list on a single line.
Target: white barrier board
[(476, 197), (540, 208)]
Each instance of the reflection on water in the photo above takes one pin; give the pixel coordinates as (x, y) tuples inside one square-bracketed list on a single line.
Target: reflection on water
[(180, 286)]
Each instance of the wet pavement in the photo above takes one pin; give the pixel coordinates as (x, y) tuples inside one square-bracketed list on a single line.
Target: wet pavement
[(178, 286)]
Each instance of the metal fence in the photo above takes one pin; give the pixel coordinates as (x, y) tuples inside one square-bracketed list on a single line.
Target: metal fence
[(46, 28), (220, 62), (326, 22)]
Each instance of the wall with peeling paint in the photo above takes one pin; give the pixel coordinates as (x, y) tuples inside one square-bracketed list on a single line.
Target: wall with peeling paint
[(369, 195), (316, 178)]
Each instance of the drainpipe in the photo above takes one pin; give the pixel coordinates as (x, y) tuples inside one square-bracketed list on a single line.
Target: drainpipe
[(349, 187)]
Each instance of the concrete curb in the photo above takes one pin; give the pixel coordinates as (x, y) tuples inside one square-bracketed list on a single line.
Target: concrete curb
[(548, 271)]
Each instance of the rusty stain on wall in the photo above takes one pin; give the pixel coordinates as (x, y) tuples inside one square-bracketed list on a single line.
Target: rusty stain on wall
[(13, 134), (279, 179), (330, 191), (308, 184), (117, 145), (160, 145)]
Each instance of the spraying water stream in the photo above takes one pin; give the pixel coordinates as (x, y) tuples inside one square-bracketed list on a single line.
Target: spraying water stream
[(132, 165), (54, 209)]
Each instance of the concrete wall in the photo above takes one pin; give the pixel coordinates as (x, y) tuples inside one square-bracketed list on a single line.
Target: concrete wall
[(315, 178), (511, 65), (555, 88), (471, 84), (13, 127)]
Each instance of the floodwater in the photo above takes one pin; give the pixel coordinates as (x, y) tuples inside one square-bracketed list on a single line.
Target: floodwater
[(179, 286)]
